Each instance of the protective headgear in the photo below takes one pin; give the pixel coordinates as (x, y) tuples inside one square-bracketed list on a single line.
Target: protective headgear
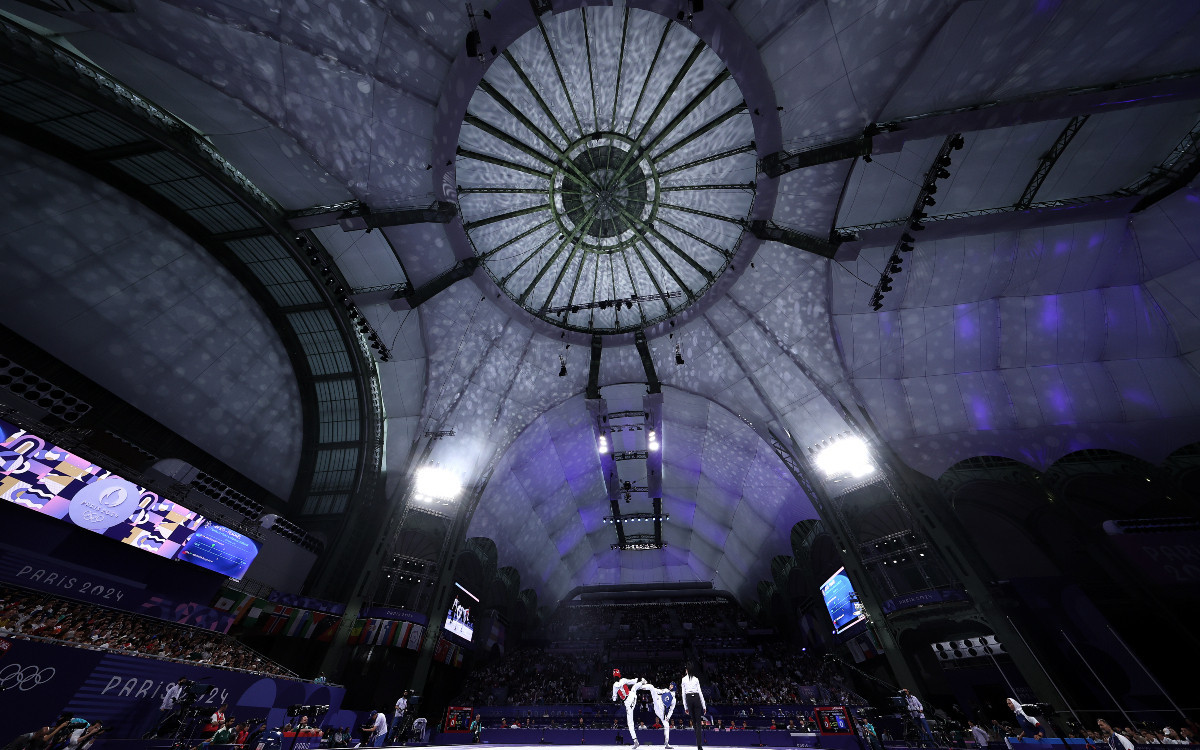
[(672, 686), (617, 673)]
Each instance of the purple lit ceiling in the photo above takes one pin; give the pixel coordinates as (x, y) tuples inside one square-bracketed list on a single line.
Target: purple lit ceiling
[(1028, 342)]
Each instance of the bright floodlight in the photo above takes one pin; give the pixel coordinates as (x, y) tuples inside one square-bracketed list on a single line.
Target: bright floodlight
[(847, 456), (652, 443), (437, 483), (603, 444)]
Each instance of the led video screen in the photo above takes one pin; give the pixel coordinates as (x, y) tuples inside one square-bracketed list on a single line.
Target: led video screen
[(458, 621), (839, 600), (41, 476)]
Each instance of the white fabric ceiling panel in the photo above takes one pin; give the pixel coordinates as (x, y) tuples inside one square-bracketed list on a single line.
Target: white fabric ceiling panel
[(765, 19), (423, 249), (1177, 52), (365, 259), (1168, 233), (1004, 50), (1115, 148), (885, 188), (1087, 43), (1175, 294), (920, 406), (808, 198)]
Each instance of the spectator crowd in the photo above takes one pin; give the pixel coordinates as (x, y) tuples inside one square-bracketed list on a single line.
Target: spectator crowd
[(27, 614)]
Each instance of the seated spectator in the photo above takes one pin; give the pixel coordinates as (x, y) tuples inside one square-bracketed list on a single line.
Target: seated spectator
[(30, 614)]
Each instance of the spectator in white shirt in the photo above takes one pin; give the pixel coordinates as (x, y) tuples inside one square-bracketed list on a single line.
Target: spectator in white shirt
[(1115, 741)]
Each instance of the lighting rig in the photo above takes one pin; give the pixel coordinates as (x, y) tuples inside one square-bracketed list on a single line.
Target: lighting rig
[(916, 218), (604, 304), (635, 517), (648, 421), (639, 542), (362, 327)]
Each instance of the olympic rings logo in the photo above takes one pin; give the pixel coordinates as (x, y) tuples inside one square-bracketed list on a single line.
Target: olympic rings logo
[(24, 678)]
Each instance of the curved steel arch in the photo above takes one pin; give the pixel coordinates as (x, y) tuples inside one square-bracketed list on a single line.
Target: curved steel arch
[(62, 105)]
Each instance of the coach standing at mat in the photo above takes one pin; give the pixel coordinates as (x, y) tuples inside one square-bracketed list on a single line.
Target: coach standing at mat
[(693, 702)]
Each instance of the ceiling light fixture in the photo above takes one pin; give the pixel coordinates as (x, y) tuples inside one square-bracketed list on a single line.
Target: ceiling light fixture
[(435, 483), (562, 366), (846, 456), (678, 355)]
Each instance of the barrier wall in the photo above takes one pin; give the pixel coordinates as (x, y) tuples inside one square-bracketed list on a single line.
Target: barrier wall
[(40, 680), (653, 737), (762, 712)]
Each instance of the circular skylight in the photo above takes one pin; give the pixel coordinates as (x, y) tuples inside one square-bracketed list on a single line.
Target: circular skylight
[(606, 168)]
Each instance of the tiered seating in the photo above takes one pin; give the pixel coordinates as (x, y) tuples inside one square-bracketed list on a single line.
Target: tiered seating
[(34, 615)]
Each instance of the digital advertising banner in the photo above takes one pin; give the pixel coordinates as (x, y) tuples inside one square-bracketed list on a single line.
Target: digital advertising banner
[(840, 600), (43, 477)]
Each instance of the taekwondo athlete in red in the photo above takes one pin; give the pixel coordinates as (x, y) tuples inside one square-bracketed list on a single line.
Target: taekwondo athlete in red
[(626, 692)]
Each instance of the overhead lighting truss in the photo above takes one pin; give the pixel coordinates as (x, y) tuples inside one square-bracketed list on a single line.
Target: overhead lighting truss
[(636, 517), (639, 542), (604, 304)]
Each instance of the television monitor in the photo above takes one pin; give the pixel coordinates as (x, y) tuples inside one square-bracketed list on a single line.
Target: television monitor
[(458, 620), (41, 476), (840, 599)]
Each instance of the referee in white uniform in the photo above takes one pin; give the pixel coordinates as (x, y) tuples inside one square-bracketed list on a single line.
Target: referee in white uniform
[(693, 702)]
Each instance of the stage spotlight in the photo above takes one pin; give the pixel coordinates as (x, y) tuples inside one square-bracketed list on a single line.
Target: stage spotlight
[(473, 43), (652, 441), (877, 306), (916, 226), (957, 142), (944, 161), (436, 483), (562, 366), (929, 200), (885, 284), (603, 444), (847, 456), (678, 355), (943, 173)]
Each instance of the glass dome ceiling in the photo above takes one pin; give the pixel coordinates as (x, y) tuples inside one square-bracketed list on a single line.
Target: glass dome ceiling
[(606, 169)]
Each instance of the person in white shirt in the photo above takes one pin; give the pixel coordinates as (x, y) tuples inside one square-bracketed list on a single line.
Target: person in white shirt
[(664, 706), (693, 702), (917, 712), (625, 690), (1115, 741), (398, 721), (166, 709), (981, 736), (379, 729)]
